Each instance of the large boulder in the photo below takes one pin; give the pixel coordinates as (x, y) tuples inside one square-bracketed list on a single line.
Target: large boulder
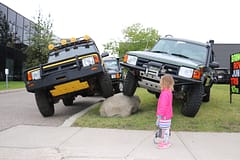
[(119, 105)]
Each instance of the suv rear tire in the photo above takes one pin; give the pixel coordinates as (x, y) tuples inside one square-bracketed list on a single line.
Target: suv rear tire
[(192, 100), (44, 103), (130, 84), (68, 100)]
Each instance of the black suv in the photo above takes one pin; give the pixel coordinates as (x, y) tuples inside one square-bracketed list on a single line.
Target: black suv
[(222, 75), (74, 68), (114, 70), (190, 63)]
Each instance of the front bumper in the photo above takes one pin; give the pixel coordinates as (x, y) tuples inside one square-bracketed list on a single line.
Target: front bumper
[(149, 78), (65, 76)]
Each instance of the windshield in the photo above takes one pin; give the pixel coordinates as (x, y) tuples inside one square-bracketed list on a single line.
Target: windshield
[(181, 49), (111, 65), (71, 52)]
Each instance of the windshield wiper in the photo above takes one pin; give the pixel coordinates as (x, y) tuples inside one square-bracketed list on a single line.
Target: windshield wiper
[(180, 55), (160, 52)]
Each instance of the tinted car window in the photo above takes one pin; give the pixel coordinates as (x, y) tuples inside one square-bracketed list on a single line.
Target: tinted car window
[(111, 65)]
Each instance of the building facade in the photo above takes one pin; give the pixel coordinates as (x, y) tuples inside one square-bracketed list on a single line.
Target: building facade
[(16, 31), (223, 52)]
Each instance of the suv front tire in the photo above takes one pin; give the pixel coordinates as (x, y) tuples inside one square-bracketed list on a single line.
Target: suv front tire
[(130, 84), (192, 100), (44, 103)]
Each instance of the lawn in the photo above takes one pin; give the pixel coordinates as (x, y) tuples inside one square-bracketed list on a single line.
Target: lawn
[(11, 85), (218, 115)]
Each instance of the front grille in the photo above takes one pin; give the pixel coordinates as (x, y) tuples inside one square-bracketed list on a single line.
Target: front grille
[(165, 68), (171, 69), (141, 62), (61, 66)]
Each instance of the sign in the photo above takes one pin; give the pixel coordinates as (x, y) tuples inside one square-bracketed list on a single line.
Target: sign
[(6, 71), (235, 74)]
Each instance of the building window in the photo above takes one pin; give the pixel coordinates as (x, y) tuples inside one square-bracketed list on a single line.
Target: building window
[(3, 9), (19, 35), (11, 16), (19, 20), (12, 21), (26, 32)]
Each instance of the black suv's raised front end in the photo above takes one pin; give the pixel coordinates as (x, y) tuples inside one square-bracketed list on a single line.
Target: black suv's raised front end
[(150, 70), (61, 72), (74, 68), (189, 62)]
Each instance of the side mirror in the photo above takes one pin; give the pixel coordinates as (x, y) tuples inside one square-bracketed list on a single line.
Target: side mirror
[(105, 54), (214, 64)]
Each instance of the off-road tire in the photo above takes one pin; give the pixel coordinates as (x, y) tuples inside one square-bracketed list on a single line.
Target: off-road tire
[(206, 96), (192, 100), (44, 103), (130, 84), (68, 100), (105, 85), (116, 88)]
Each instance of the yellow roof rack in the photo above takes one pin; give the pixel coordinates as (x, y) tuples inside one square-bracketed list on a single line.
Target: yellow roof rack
[(64, 42)]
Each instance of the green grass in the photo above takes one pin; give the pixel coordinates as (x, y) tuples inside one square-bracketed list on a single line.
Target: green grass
[(218, 115), (11, 85)]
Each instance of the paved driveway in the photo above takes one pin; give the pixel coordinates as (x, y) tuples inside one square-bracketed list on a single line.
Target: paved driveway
[(18, 107)]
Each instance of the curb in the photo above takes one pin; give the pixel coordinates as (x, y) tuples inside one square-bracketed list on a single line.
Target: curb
[(12, 90), (68, 122)]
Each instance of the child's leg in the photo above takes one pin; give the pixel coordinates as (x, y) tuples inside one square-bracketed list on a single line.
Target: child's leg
[(165, 126), (166, 135)]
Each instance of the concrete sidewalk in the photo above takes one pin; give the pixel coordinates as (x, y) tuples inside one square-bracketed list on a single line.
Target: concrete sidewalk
[(27, 142)]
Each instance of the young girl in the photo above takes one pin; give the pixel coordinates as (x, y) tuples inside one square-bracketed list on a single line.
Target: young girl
[(164, 109)]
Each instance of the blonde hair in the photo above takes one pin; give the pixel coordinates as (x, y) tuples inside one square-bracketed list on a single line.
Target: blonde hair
[(167, 82)]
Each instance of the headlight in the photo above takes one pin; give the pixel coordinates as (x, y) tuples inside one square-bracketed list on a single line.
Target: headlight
[(185, 72), (132, 60), (88, 61), (34, 75), (113, 76)]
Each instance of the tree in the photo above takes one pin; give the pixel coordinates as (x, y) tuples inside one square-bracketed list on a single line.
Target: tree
[(112, 47), (37, 51), (136, 37)]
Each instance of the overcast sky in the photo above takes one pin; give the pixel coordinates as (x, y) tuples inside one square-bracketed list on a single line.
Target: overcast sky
[(104, 20)]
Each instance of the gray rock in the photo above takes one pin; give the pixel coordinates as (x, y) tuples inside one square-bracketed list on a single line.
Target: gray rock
[(119, 105)]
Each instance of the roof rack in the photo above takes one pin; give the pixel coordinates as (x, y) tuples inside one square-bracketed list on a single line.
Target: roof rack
[(66, 42)]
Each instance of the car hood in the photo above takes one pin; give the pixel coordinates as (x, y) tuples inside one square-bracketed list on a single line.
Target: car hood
[(166, 58)]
